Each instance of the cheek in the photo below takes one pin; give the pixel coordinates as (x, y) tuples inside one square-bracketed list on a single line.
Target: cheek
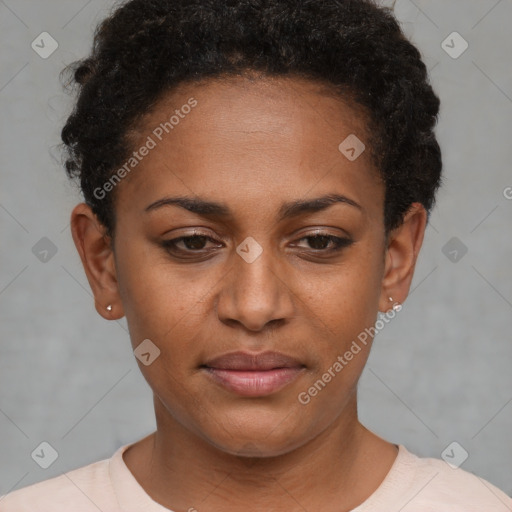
[(159, 301), (346, 298), (342, 308), (168, 308), (343, 313)]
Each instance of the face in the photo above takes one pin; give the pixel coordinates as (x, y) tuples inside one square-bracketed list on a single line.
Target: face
[(256, 272)]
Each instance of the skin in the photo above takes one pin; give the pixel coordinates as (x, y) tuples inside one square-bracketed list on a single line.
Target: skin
[(252, 144)]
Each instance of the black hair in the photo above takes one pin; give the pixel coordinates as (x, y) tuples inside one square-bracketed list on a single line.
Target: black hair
[(146, 48)]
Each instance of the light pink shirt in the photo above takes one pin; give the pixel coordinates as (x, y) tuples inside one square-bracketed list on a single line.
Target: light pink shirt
[(413, 484)]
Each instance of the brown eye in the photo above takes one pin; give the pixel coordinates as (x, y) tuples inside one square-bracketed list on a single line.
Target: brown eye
[(190, 244), (320, 242)]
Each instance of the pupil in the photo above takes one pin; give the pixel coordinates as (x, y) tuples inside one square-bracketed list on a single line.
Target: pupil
[(195, 242), (319, 239)]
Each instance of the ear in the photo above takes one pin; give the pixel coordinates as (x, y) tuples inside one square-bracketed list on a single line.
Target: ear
[(403, 247), (96, 252)]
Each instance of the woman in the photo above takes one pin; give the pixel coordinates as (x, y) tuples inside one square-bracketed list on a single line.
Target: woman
[(257, 179)]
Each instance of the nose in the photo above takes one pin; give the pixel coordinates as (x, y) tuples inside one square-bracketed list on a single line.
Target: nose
[(255, 293)]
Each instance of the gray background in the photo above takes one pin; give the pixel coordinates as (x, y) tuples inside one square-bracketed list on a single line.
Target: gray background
[(439, 372)]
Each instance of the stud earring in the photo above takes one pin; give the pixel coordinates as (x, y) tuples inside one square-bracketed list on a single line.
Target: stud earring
[(109, 307), (397, 306)]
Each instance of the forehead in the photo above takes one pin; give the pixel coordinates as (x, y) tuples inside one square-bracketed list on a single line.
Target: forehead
[(249, 137), (258, 104)]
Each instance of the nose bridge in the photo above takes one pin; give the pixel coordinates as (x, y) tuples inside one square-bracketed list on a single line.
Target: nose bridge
[(254, 293), (253, 269)]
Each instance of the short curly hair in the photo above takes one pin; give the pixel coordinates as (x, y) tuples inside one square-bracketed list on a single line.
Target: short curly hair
[(146, 48)]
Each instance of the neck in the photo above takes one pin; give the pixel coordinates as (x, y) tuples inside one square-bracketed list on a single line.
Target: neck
[(342, 466)]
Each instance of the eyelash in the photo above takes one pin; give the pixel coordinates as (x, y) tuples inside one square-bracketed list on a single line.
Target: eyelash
[(339, 243)]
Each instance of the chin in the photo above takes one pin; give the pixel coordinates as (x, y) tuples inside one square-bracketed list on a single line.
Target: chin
[(258, 448), (258, 435)]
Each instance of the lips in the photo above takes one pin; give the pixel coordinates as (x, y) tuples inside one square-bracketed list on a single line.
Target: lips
[(251, 362), (253, 375)]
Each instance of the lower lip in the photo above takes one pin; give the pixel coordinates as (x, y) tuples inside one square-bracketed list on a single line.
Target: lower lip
[(254, 383)]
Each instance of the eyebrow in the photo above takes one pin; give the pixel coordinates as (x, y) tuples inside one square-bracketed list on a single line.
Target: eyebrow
[(288, 210)]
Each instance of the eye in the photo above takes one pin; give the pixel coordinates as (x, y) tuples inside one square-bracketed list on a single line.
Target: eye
[(190, 244), (320, 242), (195, 244)]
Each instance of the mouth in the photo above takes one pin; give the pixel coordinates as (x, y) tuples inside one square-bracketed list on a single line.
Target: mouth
[(253, 374)]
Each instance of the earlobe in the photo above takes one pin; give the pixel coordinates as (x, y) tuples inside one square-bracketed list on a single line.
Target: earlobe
[(404, 245), (97, 257)]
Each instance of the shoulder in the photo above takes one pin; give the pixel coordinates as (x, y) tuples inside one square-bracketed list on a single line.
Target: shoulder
[(436, 486), (84, 489)]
